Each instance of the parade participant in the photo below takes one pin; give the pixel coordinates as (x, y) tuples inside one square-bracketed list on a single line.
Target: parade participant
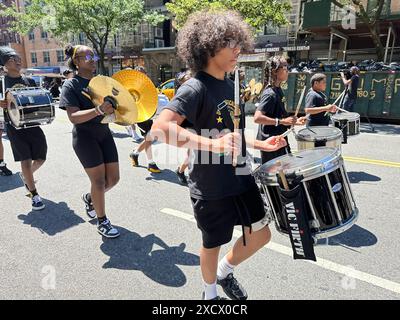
[(145, 128), (28, 145), (317, 103), (4, 171), (92, 140), (180, 79), (271, 114), (351, 88), (221, 197)]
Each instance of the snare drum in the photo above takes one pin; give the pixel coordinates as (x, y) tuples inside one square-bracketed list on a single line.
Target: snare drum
[(330, 204), (313, 137), (348, 122), (29, 107)]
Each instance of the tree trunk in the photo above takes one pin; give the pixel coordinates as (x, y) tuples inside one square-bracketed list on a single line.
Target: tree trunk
[(380, 50), (102, 70)]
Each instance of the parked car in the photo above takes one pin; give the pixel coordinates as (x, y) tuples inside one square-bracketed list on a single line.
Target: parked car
[(167, 88)]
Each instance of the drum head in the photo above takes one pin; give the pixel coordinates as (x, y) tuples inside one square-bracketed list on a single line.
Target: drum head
[(306, 162), (13, 109), (319, 133), (350, 116)]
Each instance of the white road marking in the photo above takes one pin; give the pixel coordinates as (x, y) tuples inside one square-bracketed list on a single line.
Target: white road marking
[(323, 263)]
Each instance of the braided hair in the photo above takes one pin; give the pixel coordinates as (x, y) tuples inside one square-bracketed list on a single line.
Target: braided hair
[(271, 67)]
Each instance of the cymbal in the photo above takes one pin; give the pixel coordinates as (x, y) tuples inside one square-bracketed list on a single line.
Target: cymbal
[(143, 91), (101, 87)]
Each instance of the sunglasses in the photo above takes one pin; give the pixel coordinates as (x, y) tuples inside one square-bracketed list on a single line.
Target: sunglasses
[(15, 59), (232, 44), (90, 57)]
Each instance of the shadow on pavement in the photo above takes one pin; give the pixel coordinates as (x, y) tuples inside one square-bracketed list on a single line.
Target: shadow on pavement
[(131, 251)]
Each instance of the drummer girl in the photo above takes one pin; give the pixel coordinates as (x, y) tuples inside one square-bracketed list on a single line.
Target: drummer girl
[(271, 115), (28, 145), (92, 141)]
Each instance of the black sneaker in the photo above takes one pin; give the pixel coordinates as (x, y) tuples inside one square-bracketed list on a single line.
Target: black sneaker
[(181, 177), (4, 171), (203, 297), (107, 230), (134, 159), (88, 206), (37, 203), (152, 167), (232, 288)]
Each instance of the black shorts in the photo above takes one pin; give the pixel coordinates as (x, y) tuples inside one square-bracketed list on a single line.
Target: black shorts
[(216, 219), (27, 144), (94, 145), (145, 127)]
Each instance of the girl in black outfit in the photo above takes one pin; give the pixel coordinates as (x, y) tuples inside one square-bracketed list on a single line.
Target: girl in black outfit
[(92, 140), (271, 114)]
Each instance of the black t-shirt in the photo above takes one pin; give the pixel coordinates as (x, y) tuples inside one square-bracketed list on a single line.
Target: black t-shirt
[(316, 99), (72, 96), (272, 105), (207, 103), (11, 83), (352, 91)]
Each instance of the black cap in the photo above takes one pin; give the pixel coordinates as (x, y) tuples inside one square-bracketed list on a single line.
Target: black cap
[(5, 54)]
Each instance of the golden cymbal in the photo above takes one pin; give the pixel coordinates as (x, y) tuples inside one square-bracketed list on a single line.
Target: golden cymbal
[(258, 88), (143, 91), (101, 87)]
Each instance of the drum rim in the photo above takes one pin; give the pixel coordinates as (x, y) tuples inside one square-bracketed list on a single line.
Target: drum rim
[(352, 116), (332, 137), (335, 156), (331, 232)]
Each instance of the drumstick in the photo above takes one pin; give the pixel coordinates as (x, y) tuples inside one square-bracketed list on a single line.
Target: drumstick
[(283, 135), (300, 101), (336, 101), (236, 120), (282, 176), (343, 110)]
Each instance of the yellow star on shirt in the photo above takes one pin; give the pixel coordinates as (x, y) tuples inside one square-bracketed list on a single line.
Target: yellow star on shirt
[(219, 119)]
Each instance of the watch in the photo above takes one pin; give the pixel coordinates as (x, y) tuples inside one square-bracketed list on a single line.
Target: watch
[(276, 122)]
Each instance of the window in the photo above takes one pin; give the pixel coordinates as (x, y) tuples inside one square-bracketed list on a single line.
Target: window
[(60, 56), (159, 43), (33, 57), (81, 38), (46, 56), (43, 34), (31, 35), (158, 32), (169, 85)]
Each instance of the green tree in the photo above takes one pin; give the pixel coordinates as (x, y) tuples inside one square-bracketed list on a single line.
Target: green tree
[(99, 20), (257, 13), (371, 18)]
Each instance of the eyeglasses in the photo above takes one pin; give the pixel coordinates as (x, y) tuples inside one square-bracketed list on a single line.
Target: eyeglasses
[(90, 57), (232, 44)]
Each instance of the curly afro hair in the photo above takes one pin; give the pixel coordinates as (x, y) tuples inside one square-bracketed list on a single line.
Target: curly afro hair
[(206, 32)]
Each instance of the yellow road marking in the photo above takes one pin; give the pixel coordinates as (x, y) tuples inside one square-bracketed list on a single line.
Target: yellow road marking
[(383, 163)]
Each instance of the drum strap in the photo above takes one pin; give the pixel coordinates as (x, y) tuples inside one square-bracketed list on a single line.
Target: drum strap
[(293, 201)]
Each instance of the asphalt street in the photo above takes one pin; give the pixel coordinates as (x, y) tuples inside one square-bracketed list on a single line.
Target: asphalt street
[(58, 254)]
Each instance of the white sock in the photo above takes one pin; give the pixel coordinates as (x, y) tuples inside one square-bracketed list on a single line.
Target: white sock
[(224, 268), (210, 290)]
